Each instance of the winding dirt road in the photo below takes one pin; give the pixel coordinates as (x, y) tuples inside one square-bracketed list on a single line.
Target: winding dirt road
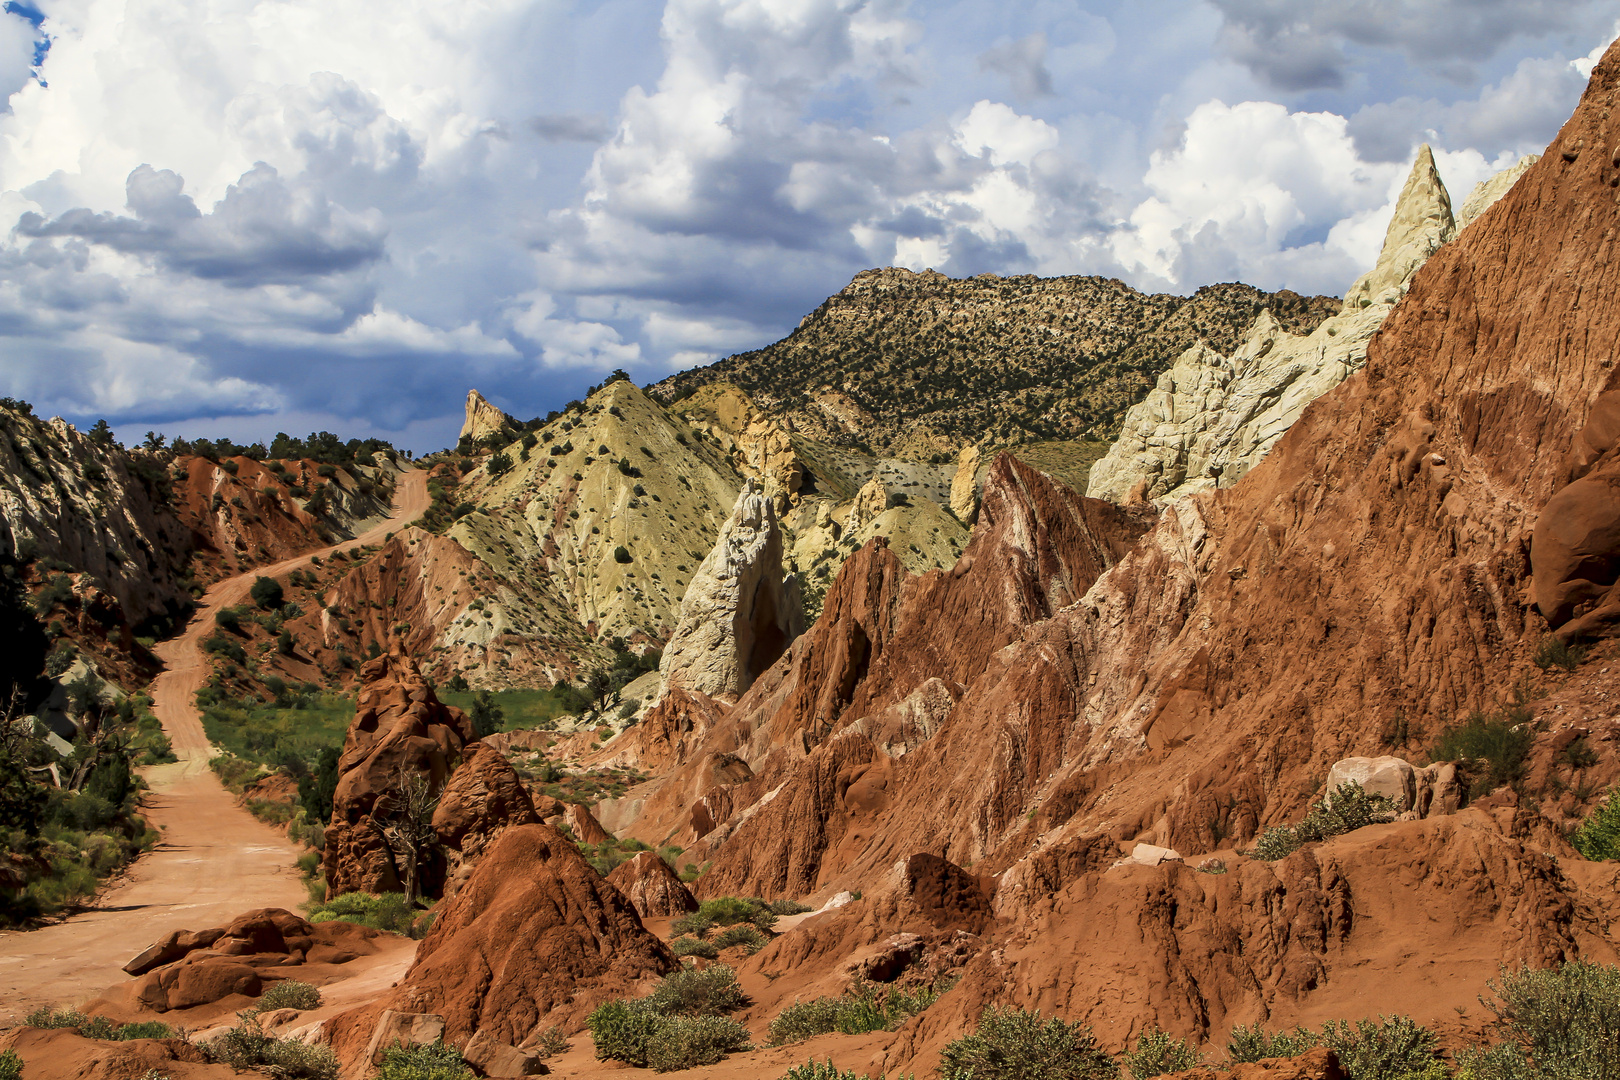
[(215, 860)]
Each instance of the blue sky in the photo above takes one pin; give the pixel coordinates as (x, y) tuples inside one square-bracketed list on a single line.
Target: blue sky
[(243, 216)]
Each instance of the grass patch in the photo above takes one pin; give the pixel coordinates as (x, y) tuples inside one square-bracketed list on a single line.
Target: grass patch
[(525, 710), (268, 735), (389, 911)]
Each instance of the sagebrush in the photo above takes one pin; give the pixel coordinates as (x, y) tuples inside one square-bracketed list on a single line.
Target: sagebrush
[(1018, 1044)]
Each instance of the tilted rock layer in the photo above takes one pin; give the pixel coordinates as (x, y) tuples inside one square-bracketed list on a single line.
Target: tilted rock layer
[(1212, 417)]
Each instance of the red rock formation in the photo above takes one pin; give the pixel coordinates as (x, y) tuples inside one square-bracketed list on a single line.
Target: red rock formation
[(400, 729), (483, 799), (1384, 563), (534, 938), (652, 888)]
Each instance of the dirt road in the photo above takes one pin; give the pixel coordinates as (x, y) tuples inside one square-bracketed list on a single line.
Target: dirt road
[(215, 860)]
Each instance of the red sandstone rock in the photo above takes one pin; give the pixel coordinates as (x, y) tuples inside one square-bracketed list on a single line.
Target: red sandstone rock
[(400, 729), (583, 824), (534, 935), (484, 797), (652, 888)]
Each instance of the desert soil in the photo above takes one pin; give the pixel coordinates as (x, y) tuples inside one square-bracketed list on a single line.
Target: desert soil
[(215, 860)]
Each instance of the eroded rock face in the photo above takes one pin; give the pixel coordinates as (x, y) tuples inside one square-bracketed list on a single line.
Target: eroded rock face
[(400, 730), (483, 798), (964, 484), (1211, 417), (738, 615), (482, 418), (534, 937), (870, 501), (652, 887)]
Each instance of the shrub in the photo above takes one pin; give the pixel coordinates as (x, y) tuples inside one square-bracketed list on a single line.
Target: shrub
[(1598, 838), (498, 463), (266, 593), (1016, 1044), (865, 1007), (730, 910), (691, 946), (1564, 1022), (1500, 740), (685, 1042), (248, 1046), (146, 1029), (695, 924), (622, 1030), (621, 554), (1251, 1043), (745, 934), (98, 1027), (47, 1017), (788, 907), (431, 1061), (1157, 1054), (289, 994), (1551, 653), (821, 1070), (10, 1065), (689, 992), (1387, 1049), (552, 1042), (1347, 809)]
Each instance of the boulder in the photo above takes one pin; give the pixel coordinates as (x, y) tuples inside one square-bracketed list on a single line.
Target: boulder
[(491, 1057), (739, 614), (1152, 855), (395, 1028), (583, 824), (1392, 777), (652, 888)]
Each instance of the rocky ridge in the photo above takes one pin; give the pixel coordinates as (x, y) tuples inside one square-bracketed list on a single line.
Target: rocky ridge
[(1211, 417), (927, 363)]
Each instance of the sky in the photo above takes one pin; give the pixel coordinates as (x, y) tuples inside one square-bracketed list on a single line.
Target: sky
[(238, 217)]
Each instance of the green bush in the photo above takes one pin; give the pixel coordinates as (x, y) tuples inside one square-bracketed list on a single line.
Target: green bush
[(1017, 1044), (434, 1061), (1387, 1049), (1500, 740), (691, 946), (819, 1070), (690, 992), (864, 1007), (266, 593), (1598, 838), (10, 1065), (1157, 1054), (1252, 1044), (694, 924), (47, 1017), (745, 934), (1564, 1023), (681, 1025), (621, 554), (1347, 809), (248, 1046), (146, 1029), (622, 1029), (289, 994), (685, 1042), (98, 1027)]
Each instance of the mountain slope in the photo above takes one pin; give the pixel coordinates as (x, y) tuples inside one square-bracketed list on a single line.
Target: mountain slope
[(924, 363)]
